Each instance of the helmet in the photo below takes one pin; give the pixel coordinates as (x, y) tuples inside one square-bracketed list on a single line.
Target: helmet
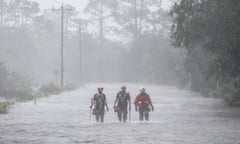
[(123, 87), (100, 88), (142, 89)]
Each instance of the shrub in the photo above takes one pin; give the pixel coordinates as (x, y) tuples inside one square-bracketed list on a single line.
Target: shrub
[(4, 106), (230, 92), (49, 89), (14, 86), (70, 87)]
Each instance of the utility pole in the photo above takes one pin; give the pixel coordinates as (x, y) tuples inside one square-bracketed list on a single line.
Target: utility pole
[(1, 15), (62, 9), (1, 5), (80, 51)]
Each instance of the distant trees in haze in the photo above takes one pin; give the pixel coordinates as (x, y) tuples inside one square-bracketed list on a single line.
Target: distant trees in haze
[(128, 40), (131, 42), (13, 85), (143, 26), (18, 12)]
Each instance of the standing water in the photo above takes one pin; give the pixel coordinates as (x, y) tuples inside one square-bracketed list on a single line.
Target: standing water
[(180, 117)]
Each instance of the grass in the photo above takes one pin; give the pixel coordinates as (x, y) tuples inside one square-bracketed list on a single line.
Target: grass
[(4, 106)]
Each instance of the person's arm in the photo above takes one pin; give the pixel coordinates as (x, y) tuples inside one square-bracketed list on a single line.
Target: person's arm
[(150, 102), (106, 104), (136, 103), (129, 101), (93, 101), (116, 100)]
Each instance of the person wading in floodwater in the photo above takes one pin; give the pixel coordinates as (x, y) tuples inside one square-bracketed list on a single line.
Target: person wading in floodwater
[(99, 103), (122, 104), (142, 103)]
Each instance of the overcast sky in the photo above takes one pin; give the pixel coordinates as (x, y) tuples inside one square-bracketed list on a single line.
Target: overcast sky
[(79, 4)]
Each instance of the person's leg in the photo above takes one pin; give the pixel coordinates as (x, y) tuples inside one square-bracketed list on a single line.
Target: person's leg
[(120, 114), (97, 116), (146, 115), (102, 115), (140, 115), (125, 112)]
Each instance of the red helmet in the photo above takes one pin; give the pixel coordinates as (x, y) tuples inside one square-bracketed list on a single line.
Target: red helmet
[(123, 87), (100, 88)]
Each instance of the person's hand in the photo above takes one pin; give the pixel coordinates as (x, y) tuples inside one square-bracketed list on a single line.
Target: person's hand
[(152, 108), (90, 106)]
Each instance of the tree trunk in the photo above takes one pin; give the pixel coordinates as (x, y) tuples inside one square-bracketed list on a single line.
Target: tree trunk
[(101, 26), (135, 23), (140, 18)]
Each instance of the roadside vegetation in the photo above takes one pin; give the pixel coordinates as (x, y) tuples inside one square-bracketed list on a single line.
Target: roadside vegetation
[(4, 106), (16, 88), (133, 41), (53, 89), (208, 30)]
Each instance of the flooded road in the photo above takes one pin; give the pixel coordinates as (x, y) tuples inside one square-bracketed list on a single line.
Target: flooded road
[(180, 117)]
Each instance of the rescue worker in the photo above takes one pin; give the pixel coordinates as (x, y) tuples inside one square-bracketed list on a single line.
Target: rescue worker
[(123, 104), (142, 104), (99, 103)]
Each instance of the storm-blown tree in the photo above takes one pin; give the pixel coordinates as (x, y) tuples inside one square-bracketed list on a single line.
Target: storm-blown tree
[(100, 12), (17, 48), (210, 27), (145, 26), (22, 11)]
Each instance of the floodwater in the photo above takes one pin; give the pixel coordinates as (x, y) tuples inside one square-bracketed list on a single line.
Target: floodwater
[(180, 117)]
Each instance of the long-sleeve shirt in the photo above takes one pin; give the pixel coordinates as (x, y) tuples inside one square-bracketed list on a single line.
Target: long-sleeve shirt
[(141, 99)]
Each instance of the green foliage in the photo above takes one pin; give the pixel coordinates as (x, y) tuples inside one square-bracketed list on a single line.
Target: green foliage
[(209, 31), (53, 89), (4, 106), (49, 89), (70, 87), (229, 92), (13, 85)]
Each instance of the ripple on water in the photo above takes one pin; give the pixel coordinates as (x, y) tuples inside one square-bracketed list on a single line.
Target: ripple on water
[(181, 117)]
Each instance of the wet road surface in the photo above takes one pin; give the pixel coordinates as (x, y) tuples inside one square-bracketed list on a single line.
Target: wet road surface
[(180, 117)]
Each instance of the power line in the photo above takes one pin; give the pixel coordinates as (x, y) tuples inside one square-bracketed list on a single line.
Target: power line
[(62, 9)]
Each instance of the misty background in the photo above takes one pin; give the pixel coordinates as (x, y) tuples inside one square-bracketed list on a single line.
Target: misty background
[(30, 42), (184, 52), (190, 44)]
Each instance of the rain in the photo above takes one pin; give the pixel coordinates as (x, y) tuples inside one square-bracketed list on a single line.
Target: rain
[(119, 71)]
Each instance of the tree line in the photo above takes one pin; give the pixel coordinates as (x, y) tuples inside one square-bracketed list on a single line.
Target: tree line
[(209, 32), (126, 41), (122, 41)]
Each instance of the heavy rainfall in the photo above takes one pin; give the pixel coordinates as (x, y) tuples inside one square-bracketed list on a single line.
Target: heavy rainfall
[(120, 71)]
